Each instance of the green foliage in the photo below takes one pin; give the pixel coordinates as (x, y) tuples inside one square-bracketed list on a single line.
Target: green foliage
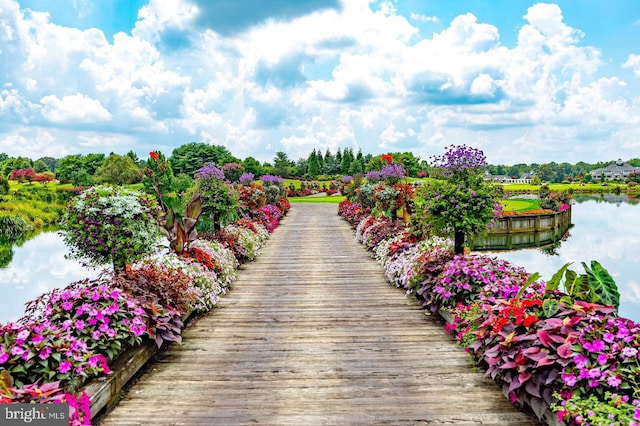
[(13, 225), (117, 170), (460, 202), (595, 286), (110, 225), (158, 175), (4, 185), (192, 156), (448, 207), (78, 169)]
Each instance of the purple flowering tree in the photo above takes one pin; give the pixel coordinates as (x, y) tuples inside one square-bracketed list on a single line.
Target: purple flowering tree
[(458, 201), (219, 199)]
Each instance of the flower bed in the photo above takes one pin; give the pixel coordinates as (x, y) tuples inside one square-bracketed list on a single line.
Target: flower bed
[(568, 359), (65, 348)]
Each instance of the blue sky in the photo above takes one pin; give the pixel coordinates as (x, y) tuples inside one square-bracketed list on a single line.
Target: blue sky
[(524, 81)]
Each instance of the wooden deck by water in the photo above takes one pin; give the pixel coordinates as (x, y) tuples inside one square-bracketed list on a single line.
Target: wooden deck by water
[(312, 334)]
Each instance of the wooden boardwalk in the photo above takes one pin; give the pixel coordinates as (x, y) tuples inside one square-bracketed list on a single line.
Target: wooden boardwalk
[(311, 334)]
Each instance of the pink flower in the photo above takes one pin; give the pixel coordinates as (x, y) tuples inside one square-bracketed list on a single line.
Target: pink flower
[(67, 306), (95, 335), (64, 367), (614, 381), (602, 359), (44, 353), (80, 325), (4, 356)]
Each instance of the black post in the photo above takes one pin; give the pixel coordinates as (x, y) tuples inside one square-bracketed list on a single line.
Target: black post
[(458, 242)]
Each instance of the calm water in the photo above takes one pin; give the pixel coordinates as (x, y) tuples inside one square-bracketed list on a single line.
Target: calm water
[(606, 230), (37, 266)]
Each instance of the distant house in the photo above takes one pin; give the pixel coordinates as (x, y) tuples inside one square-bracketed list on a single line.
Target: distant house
[(617, 171), (526, 178)]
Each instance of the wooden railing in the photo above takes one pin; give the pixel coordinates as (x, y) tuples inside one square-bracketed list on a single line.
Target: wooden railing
[(514, 232)]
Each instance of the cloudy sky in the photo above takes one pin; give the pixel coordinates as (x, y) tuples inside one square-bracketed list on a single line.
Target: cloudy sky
[(523, 81)]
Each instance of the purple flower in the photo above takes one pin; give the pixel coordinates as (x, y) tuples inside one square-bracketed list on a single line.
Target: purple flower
[(210, 171), (629, 352), (271, 179), (4, 357), (246, 178), (45, 352), (67, 306)]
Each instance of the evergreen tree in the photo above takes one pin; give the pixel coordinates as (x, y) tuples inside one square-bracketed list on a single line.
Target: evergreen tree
[(347, 159), (314, 165)]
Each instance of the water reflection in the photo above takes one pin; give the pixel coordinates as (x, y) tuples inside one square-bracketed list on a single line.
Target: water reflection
[(37, 266), (604, 230)]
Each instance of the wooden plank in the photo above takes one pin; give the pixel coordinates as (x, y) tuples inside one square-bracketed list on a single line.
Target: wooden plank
[(312, 333)]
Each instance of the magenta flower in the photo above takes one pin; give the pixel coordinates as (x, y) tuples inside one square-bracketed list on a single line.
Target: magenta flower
[(67, 306), (4, 357), (45, 352), (65, 367)]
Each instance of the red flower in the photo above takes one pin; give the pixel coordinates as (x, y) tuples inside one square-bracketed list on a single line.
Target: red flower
[(154, 155), (387, 158)]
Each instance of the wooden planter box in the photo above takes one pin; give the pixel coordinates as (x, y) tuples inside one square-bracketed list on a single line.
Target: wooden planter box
[(104, 392)]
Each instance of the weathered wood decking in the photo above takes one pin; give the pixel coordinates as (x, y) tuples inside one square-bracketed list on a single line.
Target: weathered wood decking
[(312, 333)]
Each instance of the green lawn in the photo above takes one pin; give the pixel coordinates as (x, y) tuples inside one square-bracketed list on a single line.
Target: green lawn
[(519, 205), (334, 199)]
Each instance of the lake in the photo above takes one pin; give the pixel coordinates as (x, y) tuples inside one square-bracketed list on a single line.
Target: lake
[(604, 229), (38, 266)]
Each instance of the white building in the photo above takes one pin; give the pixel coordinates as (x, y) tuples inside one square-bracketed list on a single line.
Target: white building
[(617, 171)]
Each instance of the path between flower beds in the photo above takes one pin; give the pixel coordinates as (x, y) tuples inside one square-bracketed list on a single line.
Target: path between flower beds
[(312, 333)]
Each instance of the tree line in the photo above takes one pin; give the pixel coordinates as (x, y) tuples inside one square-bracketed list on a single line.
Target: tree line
[(185, 160)]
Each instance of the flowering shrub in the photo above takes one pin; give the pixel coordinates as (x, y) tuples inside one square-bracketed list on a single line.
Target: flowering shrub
[(250, 241), (251, 197), (29, 175), (284, 205), (246, 178), (31, 351), (225, 263), (460, 201), (390, 198), (592, 410), (110, 225), (233, 171), (202, 278), (268, 216), (274, 187), (102, 316), (467, 278), (380, 231), (219, 199), (606, 358)]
